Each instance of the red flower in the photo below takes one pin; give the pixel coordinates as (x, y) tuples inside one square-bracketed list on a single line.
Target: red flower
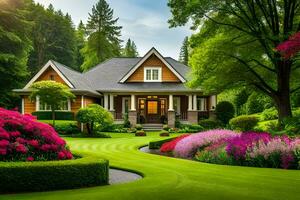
[(30, 159), (3, 151), (61, 155), (21, 148), (4, 143), (169, 146), (21, 140), (33, 143), (3, 134), (290, 47), (15, 133)]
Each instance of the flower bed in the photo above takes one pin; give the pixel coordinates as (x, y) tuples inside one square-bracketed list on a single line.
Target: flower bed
[(247, 149), (22, 138)]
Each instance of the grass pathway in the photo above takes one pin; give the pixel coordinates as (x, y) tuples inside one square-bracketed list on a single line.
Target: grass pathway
[(170, 178)]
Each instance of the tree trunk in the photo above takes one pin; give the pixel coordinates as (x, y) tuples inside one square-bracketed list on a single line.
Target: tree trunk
[(88, 128)]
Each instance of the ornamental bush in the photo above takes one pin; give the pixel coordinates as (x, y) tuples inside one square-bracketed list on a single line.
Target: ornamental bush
[(224, 111), (243, 122), (208, 124), (22, 138), (269, 114), (164, 133), (170, 145), (140, 133)]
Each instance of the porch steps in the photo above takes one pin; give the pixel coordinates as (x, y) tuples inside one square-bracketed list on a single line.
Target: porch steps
[(152, 127)]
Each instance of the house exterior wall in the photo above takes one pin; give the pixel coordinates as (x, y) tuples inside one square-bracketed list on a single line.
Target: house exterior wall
[(29, 106), (47, 76), (153, 61)]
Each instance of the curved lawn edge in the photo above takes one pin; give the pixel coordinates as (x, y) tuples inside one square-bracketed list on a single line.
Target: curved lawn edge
[(86, 171)]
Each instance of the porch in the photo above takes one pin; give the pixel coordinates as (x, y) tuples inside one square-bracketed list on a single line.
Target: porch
[(159, 108)]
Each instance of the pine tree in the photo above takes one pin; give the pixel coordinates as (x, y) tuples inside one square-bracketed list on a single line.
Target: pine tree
[(103, 36), (130, 49), (184, 51), (14, 48), (80, 42)]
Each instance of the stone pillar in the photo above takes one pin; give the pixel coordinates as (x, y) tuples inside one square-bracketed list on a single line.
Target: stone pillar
[(171, 118), (132, 117), (190, 107), (106, 101), (171, 107), (213, 102), (193, 117), (194, 102), (111, 103)]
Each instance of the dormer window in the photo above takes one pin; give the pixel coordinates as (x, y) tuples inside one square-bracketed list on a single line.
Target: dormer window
[(152, 74)]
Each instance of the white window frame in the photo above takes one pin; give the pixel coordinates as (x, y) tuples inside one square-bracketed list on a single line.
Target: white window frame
[(152, 68), (123, 103), (178, 104), (37, 105)]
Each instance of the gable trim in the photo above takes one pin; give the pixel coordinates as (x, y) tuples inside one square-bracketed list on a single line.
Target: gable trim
[(46, 66), (155, 52)]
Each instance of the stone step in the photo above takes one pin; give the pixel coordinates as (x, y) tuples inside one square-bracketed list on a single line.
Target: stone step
[(152, 127)]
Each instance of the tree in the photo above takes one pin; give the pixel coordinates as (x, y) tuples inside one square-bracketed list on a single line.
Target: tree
[(130, 49), (14, 48), (239, 38), (53, 37), (80, 42), (92, 115), (103, 36), (184, 52), (51, 93), (224, 111)]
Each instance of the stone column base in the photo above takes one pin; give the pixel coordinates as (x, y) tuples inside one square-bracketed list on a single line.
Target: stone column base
[(171, 119), (192, 117), (132, 117)]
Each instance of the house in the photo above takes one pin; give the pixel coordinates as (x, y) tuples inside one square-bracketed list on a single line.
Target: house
[(151, 89)]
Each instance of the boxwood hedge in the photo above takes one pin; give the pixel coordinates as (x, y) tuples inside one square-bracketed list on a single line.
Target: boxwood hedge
[(52, 175), (59, 115)]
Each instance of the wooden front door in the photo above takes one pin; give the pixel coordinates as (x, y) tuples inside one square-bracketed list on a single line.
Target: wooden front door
[(153, 111)]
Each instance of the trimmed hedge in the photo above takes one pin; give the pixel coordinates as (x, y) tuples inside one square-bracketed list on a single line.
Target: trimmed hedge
[(208, 124), (59, 115), (53, 175), (157, 144), (244, 122)]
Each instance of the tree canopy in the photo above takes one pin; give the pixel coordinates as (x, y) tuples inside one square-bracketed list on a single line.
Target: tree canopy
[(236, 45), (184, 51), (130, 49)]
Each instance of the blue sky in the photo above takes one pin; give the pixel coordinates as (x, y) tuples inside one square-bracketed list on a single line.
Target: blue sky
[(144, 21)]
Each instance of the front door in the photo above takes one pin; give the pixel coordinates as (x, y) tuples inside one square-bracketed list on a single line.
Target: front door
[(153, 111)]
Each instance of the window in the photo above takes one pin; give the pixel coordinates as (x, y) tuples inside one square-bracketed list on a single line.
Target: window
[(65, 106), (52, 77), (152, 74), (152, 107), (201, 104)]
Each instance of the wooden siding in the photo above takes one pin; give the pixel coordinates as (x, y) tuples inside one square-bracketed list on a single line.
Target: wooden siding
[(153, 61), (29, 106), (47, 76)]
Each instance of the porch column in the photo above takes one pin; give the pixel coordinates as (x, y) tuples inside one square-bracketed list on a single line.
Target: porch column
[(111, 102), (171, 107), (212, 107), (106, 101), (190, 103), (132, 115), (195, 102)]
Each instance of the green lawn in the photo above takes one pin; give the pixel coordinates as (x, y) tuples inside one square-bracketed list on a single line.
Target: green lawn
[(170, 178)]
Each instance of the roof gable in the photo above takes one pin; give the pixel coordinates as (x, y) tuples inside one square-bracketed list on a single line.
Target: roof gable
[(152, 51), (51, 64)]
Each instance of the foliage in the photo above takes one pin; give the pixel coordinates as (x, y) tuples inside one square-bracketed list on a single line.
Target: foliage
[(94, 115), (22, 138), (130, 49), (240, 100), (224, 111), (67, 129), (257, 103), (126, 121), (80, 35), (208, 124), (269, 114), (140, 133), (138, 127), (14, 49), (235, 46), (59, 115), (290, 47), (164, 133), (53, 37), (80, 172), (292, 125), (103, 36), (157, 144), (243, 122), (169, 146), (166, 127), (51, 93), (184, 51), (187, 147)]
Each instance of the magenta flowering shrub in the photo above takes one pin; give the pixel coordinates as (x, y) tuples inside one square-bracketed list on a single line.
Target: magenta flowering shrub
[(188, 146), (22, 138)]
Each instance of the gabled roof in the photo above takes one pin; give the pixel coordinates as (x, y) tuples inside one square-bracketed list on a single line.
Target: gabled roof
[(141, 61)]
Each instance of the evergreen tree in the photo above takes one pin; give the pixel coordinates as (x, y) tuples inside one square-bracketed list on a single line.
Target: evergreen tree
[(53, 37), (184, 51), (80, 42), (14, 48), (103, 36), (130, 49)]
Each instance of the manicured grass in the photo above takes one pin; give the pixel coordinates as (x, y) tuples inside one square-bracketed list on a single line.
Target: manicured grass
[(170, 178), (59, 122)]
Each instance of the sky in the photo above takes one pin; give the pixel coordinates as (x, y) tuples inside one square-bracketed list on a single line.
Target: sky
[(143, 21)]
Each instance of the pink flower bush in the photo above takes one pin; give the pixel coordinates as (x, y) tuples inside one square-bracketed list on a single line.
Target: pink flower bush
[(187, 147), (25, 139), (290, 47)]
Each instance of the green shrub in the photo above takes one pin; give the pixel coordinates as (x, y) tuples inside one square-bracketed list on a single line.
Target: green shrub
[(66, 129), (140, 133), (196, 127), (224, 111), (208, 124), (157, 144), (269, 114), (126, 123), (138, 127), (59, 115), (292, 125), (296, 113), (243, 122), (164, 133), (53, 175), (166, 127)]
